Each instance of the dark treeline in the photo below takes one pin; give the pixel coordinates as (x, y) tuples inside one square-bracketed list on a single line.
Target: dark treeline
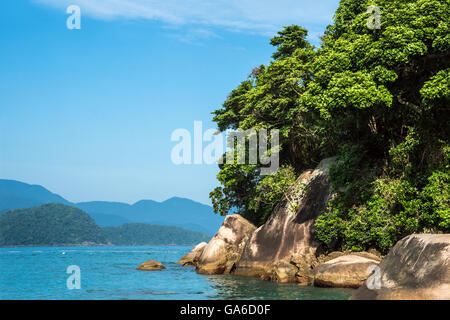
[(138, 234)]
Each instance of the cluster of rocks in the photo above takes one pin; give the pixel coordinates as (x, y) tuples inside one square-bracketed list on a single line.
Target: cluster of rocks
[(284, 249)]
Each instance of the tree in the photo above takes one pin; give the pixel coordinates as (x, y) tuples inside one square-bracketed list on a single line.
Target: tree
[(268, 100)]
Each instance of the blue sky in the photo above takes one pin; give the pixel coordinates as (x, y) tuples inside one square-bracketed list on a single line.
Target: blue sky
[(89, 113)]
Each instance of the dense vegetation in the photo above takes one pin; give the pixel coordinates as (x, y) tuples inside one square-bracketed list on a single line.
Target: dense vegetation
[(138, 234), (376, 98), (49, 224)]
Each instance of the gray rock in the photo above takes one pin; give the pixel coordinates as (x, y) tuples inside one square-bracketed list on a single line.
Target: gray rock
[(417, 267)]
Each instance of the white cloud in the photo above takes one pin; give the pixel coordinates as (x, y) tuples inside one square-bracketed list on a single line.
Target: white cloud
[(251, 16)]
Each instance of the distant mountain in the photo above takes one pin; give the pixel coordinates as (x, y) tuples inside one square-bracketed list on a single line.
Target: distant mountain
[(15, 195), (49, 224), (138, 234), (108, 220), (175, 211)]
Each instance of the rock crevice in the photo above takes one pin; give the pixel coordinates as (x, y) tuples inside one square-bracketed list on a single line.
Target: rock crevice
[(284, 248)]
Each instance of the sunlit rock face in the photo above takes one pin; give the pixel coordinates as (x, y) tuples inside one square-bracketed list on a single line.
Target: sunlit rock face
[(284, 248), (346, 271), (226, 247), (151, 265), (191, 258), (417, 267)]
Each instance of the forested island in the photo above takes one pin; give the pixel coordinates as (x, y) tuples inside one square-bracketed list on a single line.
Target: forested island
[(57, 224)]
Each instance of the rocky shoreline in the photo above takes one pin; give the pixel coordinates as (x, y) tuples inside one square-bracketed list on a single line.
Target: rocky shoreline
[(284, 249)]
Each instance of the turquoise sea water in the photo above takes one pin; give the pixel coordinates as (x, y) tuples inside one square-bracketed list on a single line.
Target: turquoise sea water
[(110, 273)]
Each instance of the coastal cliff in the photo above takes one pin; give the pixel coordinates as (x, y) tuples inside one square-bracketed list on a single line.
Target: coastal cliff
[(284, 249)]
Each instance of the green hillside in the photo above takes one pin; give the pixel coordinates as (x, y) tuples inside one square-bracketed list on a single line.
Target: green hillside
[(49, 224), (146, 234)]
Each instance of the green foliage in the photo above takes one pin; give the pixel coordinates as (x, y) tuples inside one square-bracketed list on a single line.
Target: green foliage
[(139, 234), (436, 201), (289, 40), (343, 172), (394, 209), (437, 89), (238, 185), (268, 192), (381, 212), (376, 98), (249, 194), (49, 224)]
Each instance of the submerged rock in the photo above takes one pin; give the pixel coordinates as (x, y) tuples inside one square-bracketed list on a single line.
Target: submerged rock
[(346, 271), (417, 267), (284, 248), (225, 248), (191, 258), (150, 265)]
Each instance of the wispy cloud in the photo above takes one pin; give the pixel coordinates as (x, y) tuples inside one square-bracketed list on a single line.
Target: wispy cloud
[(193, 35), (250, 16)]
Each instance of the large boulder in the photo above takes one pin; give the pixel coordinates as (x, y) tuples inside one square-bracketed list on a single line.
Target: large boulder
[(284, 248), (346, 271), (226, 247), (191, 258), (151, 265), (417, 267)]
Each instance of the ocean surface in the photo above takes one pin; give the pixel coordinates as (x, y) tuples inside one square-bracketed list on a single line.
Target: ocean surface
[(110, 273)]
